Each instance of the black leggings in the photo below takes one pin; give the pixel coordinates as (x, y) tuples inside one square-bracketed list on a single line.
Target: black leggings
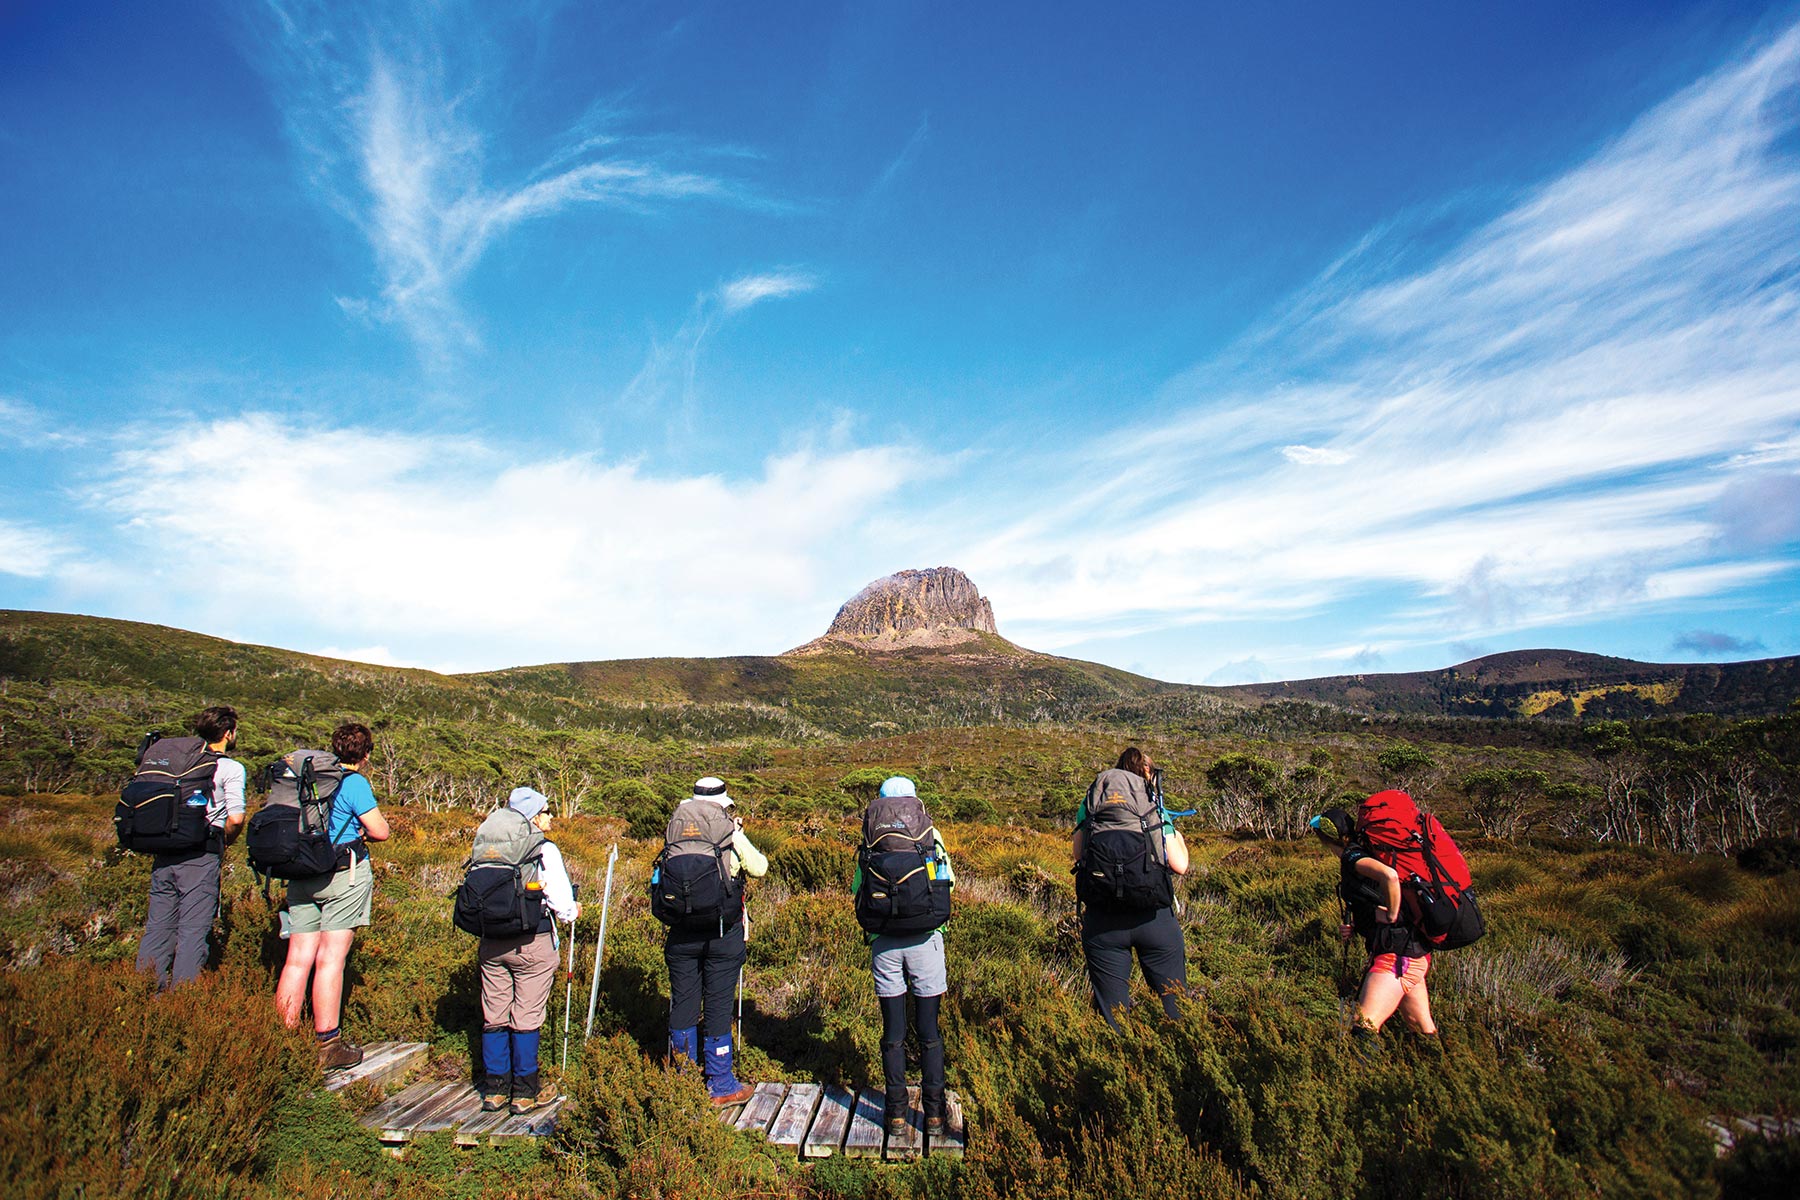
[(893, 1045), (1109, 938)]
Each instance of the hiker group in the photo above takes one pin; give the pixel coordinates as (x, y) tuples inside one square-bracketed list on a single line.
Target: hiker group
[(1404, 887)]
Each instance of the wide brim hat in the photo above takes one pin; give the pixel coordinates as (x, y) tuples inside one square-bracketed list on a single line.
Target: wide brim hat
[(712, 788)]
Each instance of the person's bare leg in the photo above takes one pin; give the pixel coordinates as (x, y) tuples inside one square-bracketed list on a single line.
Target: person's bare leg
[(290, 992), (1381, 995), (328, 978), (1415, 1009)]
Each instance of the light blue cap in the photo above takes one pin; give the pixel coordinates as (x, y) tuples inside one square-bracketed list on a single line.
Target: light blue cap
[(527, 802), (898, 785)]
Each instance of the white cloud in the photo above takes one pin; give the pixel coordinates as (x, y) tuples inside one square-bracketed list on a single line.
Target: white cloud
[(394, 540), (387, 109), (1540, 424), (26, 552), (1314, 456), (741, 293)]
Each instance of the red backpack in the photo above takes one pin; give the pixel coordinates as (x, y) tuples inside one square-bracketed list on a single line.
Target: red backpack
[(1435, 889)]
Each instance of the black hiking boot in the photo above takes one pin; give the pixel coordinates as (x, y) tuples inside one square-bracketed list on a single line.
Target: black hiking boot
[(339, 1053), (527, 1096), (496, 1092), (932, 1100), (895, 1113)]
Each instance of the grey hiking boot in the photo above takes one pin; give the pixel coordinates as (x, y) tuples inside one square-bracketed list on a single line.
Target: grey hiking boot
[(339, 1053), (496, 1092), (528, 1096)]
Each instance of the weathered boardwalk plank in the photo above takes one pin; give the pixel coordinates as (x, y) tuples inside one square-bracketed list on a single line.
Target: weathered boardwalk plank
[(910, 1143), (383, 1062), (814, 1121), (955, 1138), (435, 1105), (826, 1137), (795, 1117), (394, 1119), (866, 1135), (762, 1107)]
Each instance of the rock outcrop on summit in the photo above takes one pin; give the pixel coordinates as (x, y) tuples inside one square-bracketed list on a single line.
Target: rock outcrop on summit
[(938, 607)]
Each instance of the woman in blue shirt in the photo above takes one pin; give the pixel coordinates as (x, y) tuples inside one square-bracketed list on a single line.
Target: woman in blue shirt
[(325, 912)]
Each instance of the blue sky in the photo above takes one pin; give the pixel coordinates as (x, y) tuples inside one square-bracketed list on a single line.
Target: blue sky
[(1220, 342)]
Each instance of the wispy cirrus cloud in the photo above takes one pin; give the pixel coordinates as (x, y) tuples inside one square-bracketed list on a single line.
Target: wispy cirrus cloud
[(1558, 417), (396, 112), (666, 381)]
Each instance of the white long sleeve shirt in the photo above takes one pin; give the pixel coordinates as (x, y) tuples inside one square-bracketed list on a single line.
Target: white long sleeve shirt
[(559, 894)]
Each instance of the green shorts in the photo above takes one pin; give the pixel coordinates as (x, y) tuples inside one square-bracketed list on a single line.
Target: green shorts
[(341, 900)]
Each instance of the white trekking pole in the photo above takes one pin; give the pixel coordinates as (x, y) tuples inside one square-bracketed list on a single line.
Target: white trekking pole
[(600, 945), (568, 995)]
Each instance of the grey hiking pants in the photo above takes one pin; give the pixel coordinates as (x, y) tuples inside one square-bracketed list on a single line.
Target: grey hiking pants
[(184, 897), (1110, 938)]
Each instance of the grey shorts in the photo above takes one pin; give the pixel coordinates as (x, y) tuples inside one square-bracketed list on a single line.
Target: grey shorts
[(340, 900), (911, 962)]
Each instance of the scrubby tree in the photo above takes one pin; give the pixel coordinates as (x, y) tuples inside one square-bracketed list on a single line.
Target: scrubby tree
[(1405, 766), (1502, 799), (1243, 785)]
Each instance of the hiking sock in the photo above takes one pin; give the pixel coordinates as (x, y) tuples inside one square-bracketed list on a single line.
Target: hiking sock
[(496, 1051), (325, 1035), (524, 1052)]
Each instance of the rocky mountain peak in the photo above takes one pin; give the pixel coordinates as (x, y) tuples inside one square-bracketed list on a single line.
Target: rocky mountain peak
[(936, 607)]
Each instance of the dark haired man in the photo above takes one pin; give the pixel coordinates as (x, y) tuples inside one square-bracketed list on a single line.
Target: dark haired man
[(184, 887)]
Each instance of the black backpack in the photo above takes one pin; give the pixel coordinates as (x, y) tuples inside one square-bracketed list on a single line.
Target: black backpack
[(900, 890), (1123, 865), (692, 889), (163, 809), (289, 837), (501, 895)]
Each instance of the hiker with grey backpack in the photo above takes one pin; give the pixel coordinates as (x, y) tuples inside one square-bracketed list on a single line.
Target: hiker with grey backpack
[(902, 888), (184, 805), (313, 831), (697, 890), (514, 890), (1127, 854)]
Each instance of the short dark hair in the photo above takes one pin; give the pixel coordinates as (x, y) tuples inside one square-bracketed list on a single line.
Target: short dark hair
[(215, 722), (352, 742), (1133, 760)]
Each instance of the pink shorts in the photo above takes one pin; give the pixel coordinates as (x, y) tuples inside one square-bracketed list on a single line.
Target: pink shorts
[(1410, 971)]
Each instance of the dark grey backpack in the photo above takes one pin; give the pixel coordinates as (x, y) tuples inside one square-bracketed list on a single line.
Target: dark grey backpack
[(1124, 864), (900, 891), (692, 886)]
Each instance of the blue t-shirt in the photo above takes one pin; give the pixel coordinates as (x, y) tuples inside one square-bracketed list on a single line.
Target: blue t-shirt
[(354, 798)]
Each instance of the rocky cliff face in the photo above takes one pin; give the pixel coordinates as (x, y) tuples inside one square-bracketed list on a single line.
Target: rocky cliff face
[(938, 607)]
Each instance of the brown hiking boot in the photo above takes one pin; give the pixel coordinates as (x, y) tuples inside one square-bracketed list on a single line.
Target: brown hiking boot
[(528, 1096), (496, 1092), (934, 1112), (744, 1092), (337, 1054)]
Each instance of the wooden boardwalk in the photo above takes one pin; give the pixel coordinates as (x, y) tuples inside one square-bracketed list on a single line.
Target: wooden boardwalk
[(383, 1062), (811, 1120), (818, 1122), (438, 1105)]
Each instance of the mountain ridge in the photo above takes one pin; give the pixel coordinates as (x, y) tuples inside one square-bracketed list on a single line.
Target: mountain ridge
[(841, 688)]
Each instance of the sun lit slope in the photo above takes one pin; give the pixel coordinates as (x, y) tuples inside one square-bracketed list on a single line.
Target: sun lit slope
[(980, 680), (985, 680), (1559, 684)]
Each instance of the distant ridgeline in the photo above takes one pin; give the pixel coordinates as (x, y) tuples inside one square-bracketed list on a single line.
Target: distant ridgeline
[(915, 651)]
